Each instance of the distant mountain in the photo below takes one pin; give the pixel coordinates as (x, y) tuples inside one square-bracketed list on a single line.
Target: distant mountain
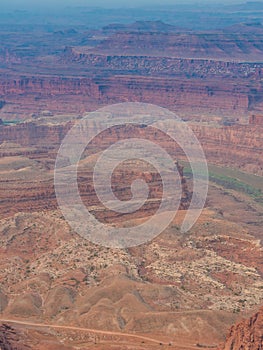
[(246, 28), (248, 6), (147, 26)]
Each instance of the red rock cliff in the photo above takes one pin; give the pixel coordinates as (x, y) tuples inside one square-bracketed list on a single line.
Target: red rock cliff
[(247, 335), (27, 95)]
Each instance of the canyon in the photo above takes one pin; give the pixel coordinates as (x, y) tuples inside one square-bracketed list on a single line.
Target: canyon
[(188, 73), (200, 289), (233, 146), (166, 281)]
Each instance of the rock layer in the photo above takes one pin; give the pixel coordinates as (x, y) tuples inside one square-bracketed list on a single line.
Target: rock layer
[(237, 146), (32, 94)]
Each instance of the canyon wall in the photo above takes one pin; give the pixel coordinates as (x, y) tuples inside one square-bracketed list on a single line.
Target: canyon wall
[(212, 73), (32, 134), (237, 146), (159, 63), (27, 95), (35, 190)]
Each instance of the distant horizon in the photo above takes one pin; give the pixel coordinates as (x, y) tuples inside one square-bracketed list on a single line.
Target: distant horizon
[(25, 4)]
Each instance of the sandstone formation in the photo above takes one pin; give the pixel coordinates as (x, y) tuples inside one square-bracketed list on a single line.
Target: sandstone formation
[(247, 335)]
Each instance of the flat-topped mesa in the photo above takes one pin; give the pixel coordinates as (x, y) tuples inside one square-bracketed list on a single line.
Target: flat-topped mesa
[(140, 26), (206, 45), (160, 64)]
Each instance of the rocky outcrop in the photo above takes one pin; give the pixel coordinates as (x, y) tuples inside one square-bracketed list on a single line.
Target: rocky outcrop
[(247, 335), (146, 64), (10, 339), (28, 134), (256, 119), (47, 86)]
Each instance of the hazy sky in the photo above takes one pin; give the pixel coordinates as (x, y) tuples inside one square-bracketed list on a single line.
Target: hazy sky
[(20, 4)]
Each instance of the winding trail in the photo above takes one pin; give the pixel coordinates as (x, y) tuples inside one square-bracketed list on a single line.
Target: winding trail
[(95, 331)]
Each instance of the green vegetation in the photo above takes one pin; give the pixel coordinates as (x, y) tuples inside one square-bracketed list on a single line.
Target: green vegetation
[(11, 122), (237, 185), (233, 179)]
